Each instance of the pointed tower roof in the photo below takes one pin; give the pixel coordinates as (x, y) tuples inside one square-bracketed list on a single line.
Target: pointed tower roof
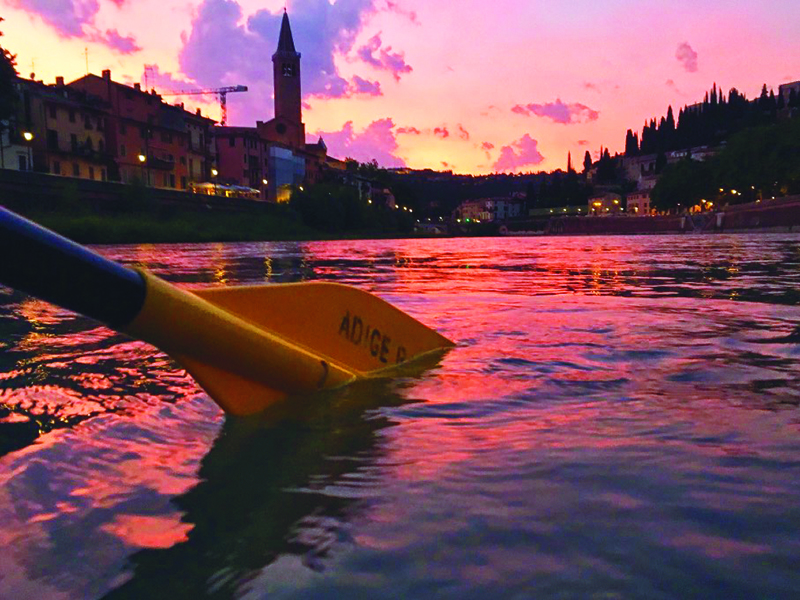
[(285, 41)]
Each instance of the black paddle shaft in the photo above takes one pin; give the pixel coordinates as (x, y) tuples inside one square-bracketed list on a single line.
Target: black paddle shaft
[(51, 267)]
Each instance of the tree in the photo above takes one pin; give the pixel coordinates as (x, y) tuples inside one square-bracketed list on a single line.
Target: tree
[(631, 144), (587, 162), (8, 77), (683, 184)]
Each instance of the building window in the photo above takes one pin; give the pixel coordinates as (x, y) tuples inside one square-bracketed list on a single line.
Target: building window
[(76, 170), (23, 162), (52, 112), (88, 123), (73, 142), (103, 174), (101, 146), (56, 168), (143, 132), (183, 160), (52, 139), (91, 172), (245, 159), (191, 168), (89, 144), (166, 137), (231, 141), (122, 150), (183, 182), (122, 128), (71, 116), (172, 180)]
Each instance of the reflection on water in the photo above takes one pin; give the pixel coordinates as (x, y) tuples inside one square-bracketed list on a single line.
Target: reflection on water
[(620, 417)]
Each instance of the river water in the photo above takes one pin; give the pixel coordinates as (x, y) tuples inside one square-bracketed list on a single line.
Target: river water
[(620, 418)]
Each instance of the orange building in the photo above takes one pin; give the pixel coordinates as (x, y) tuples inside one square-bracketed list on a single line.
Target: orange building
[(151, 141)]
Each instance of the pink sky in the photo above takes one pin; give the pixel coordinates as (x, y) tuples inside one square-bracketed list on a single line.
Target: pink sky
[(476, 87)]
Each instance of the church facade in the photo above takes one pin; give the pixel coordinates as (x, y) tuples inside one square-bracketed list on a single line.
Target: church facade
[(273, 157)]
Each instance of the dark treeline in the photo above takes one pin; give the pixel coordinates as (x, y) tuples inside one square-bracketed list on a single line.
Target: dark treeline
[(757, 162), (709, 122)]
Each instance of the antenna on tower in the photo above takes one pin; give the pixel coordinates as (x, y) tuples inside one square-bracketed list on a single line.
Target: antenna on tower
[(86, 52)]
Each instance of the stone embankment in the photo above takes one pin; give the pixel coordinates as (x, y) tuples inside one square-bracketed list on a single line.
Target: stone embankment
[(781, 214)]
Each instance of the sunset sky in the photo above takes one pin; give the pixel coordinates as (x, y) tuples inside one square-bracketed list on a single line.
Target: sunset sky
[(476, 87)]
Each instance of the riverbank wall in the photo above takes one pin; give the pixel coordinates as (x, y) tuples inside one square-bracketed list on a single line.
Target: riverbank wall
[(29, 192), (781, 214)]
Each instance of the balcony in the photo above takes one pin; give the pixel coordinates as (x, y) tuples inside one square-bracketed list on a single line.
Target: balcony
[(160, 163)]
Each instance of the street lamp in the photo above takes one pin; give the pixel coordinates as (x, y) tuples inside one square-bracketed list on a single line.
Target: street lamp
[(28, 137), (145, 175)]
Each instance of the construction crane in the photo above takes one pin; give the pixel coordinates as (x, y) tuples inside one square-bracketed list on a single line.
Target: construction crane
[(221, 92)]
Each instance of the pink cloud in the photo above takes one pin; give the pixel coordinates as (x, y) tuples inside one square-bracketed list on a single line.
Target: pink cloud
[(385, 60), (522, 153), (463, 133), (583, 142), (122, 44), (67, 17), (377, 141), (487, 146), (409, 131), (559, 111), (396, 8), (441, 132), (687, 57), (76, 18), (364, 87)]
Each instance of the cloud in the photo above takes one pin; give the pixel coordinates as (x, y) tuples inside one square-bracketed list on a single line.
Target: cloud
[(386, 60), (377, 141), (364, 87), (588, 85), (559, 111), (227, 47), (463, 133), (583, 142), (122, 44), (441, 132), (687, 57), (487, 146), (67, 17), (396, 8), (522, 153), (409, 131)]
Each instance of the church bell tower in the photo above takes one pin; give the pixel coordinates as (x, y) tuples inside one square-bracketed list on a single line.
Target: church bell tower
[(286, 77)]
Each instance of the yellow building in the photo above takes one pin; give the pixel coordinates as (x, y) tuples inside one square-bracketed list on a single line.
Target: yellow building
[(639, 203), (605, 205), (68, 130)]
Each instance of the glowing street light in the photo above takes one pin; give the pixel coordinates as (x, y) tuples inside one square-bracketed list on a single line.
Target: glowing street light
[(265, 182), (214, 172), (27, 136), (142, 158)]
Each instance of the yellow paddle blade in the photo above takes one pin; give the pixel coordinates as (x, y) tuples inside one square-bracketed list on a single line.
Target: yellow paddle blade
[(349, 326), (250, 346)]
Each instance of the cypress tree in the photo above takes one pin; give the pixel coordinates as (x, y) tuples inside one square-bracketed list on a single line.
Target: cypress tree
[(587, 162)]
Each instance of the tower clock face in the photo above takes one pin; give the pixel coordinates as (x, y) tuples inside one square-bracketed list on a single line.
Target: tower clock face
[(288, 70)]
